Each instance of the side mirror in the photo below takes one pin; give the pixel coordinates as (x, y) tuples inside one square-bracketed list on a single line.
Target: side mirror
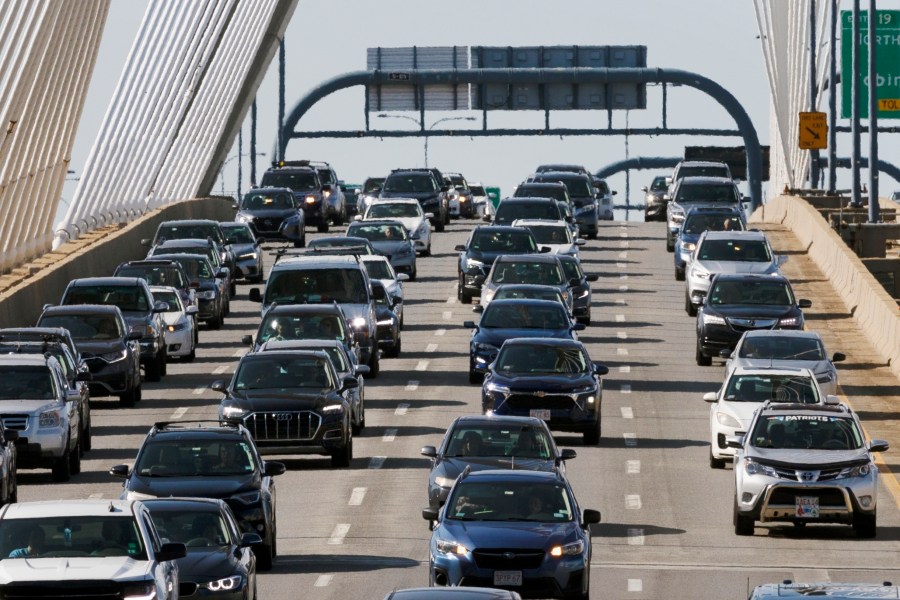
[(429, 451), (839, 357), (460, 248), (804, 303), (600, 369), (247, 340), (486, 218), (580, 242), (781, 259), (469, 324), (255, 295), (734, 441), (478, 309), (361, 370), (644, 189), (725, 353), (544, 249), (250, 539), (445, 188), (592, 277), (402, 277), (567, 454), (171, 551), (357, 218), (161, 307), (222, 273), (615, 192), (119, 471), (349, 382), (274, 468), (430, 514), (589, 516), (428, 215), (219, 385), (479, 280), (234, 206), (710, 397), (145, 242), (879, 446), (191, 310), (578, 327)]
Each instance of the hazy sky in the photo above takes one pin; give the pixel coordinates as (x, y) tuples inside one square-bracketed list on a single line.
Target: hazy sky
[(715, 38)]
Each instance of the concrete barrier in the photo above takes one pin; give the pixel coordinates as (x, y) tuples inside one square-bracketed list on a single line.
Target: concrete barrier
[(21, 304), (874, 310)]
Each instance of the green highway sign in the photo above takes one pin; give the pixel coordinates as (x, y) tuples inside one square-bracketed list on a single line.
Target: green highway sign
[(887, 63)]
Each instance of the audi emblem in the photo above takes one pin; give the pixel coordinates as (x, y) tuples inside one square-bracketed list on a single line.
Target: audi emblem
[(281, 416)]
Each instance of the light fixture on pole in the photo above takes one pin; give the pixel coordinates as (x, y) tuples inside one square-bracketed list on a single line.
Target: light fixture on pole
[(424, 132)]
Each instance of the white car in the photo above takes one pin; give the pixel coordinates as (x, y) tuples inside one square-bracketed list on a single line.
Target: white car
[(180, 324), (379, 267), (743, 391), (553, 235), (407, 211), (479, 199), (787, 348)]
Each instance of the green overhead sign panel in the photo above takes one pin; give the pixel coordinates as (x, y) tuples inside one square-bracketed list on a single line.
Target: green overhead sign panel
[(887, 63)]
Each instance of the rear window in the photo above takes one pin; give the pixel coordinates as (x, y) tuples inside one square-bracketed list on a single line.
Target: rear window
[(508, 211), (410, 183), (708, 193), (317, 286), (299, 181), (127, 298)]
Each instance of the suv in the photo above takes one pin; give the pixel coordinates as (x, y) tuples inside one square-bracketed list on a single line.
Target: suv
[(512, 209), (195, 229), (340, 280), (109, 348), (304, 322), (142, 313), (211, 461), (804, 463), (583, 196), (542, 269), (477, 255), (207, 248), (34, 402), (698, 220), (424, 185), (85, 549), (315, 186), (209, 284), (161, 272), (273, 213), (465, 201), (698, 191), (698, 168)]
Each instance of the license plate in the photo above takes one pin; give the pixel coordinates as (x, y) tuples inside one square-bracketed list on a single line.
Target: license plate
[(540, 413), (807, 507), (508, 578)]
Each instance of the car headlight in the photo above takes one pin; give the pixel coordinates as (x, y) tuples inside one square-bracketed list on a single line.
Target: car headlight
[(225, 585), (471, 263), (713, 319), (753, 468), (857, 471), (386, 322), (825, 377), (233, 412), (358, 323), (242, 218), (310, 200), (497, 388), (248, 256), (333, 408), (116, 356), (584, 294), (689, 246), (423, 229), (444, 482), (700, 274), (49, 419), (450, 547), (207, 295), (573, 549), (139, 591), (482, 347), (247, 498), (727, 420), (790, 322), (177, 327), (406, 251)]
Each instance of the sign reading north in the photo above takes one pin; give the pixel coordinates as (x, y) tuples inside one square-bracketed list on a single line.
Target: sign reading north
[(887, 63)]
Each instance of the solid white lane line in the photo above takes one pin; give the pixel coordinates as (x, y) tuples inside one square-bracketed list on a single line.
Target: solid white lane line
[(376, 462), (401, 409), (627, 412), (448, 314), (635, 537), (633, 467), (220, 370), (339, 533), (199, 390), (635, 585), (622, 351), (440, 332), (356, 498), (412, 386), (622, 335), (630, 439), (625, 369), (620, 318), (422, 365), (431, 347), (323, 580), (179, 412), (633, 501), (389, 435), (626, 388)]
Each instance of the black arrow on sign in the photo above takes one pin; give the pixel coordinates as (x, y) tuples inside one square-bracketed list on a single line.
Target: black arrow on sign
[(813, 133)]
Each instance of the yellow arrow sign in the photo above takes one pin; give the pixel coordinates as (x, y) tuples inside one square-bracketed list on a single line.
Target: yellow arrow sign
[(813, 131)]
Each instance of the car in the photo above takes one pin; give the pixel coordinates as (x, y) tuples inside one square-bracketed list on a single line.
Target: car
[(110, 349), (743, 391), (9, 480), (368, 193), (787, 348), (696, 221), (141, 310), (389, 238), (528, 290), (580, 286), (604, 200), (389, 337), (315, 187), (479, 198), (379, 269), (197, 229), (86, 548), (727, 252), (698, 191), (826, 589), (549, 189), (511, 209), (465, 201), (583, 195), (656, 199), (553, 379), (514, 318), (334, 194), (337, 245), (340, 280), (179, 324), (291, 402), (477, 255), (512, 529), (698, 168), (304, 322), (452, 593), (740, 302), (803, 463), (248, 256), (480, 442), (562, 168), (569, 217), (209, 283), (345, 363), (544, 269), (409, 212), (208, 248), (351, 190), (208, 460), (219, 562), (425, 186), (161, 272), (274, 214), (555, 236)]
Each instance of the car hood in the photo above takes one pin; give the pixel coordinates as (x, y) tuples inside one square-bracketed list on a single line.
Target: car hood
[(172, 318), (99, 346), (561, 248), (271, 213), (390, 247), (73, 568), (806, 459), (205, 564), (392, 286), (742, 411), (27, 406), (510, 534), (352, 311), (753, 311), (243, 248), (410, 223), (733, 266), (816, 366), (487, 258), (277, 400), (544, 381), (495, 336), (383, 312), (208, 487), (137, 319)]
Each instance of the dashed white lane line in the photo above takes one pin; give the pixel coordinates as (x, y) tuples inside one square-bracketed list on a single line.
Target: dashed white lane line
[(626, 388), (431, 347), (623, 255), (179, 412), (633, 501), (630, 439), (95, 496), (623, 288), (401, 409), (440, 332), (376, 462), (356, 498), (635, 585), (422, 365), (412, 386), (239, 353), (623, 243), (199, 390), (448, 314), (633, 467), (220, 370), (622, 351), (625, 369), (623, 276), (323, 580), (622, 335), (620, 301), (620, 318), (635, 537), (627, 412), (339, 533), (621, 265), (451, 300), (389, 435)]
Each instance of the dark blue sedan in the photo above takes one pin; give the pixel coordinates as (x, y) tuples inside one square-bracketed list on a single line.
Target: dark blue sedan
[(513, 318)]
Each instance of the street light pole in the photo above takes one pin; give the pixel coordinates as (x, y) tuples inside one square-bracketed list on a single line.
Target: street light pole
[(423, 130)]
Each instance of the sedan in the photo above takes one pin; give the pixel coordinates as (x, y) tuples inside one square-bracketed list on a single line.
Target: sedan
[(390, 239), (248, 256), (379, 269), (389, 339), (180, 325), (555, 236), (407, 211), (485, 245)]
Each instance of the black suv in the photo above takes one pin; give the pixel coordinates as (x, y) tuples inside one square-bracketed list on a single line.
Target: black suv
[(315, 186), (477, 255), (160, 272), (209, 284), (425, 185), (583, 195), (195, 229), (513, 209), (208, 460)]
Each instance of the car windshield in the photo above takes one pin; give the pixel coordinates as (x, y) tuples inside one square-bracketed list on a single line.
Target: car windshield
[(299, 181), (777, 388), (86, 327), (378, 233), (410, 184), (782, 348), (503, 241), (126, 297), (21, 382), (193, 231), (263, 201), (338, 358), (761, 292), (659, 184), (540, 358), (373, 184), (544, 273), (579, 187), (698, 223), (537, 292), (510, 501), (378, 269), (196, 268), (71, 536), (509, 211), (240, 234), (477, 190), (198, 530), (488, 439), (282, 372), (205, 251), (707, 193), (306, 327), (169, 297), (572, 269), (154, 275), (734, 250), (391, 210), (317, 286), (704, 171), (524, 316), (539, 191), (806, 431), (551, 234), (209, 456)]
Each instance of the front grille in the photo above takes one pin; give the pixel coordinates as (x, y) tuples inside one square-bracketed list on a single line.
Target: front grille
[(508, 559), (267, 224), (17, 422), (535, 400), (793, 474), (751, 324), (70, 590), (788, 496), (283, 425)]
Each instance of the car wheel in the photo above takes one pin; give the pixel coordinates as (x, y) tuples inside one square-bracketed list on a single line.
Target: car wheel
[(679, 274), (298, 245), (689, 307), (412, 274), (398, 345), (62, 468), (128, 398), (192, 354), (322, 227), (75, 459), (427, 250), (13, 488), (702, 359), (743, 525), (439, 224), (264, 556), (464, 296), (864, 525), (592, 436), (215, 322), (592, 235), (163, 360), (374, 362), (152, 370), (86, 438), (586, 319), (475, 377), (342, 458), (715, 463), (670, 244)]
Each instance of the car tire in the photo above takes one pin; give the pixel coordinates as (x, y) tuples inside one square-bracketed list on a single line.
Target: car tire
[(427, 250), (586, 319), (413, 274), (715, 463), (689, 307), (592, 435), (592, 235), (61, 470), (75, 459), (13, 490), (679, 274), (702, 359), (374, 362), (475, 377), (743, 525), (264, 557), (153, 370), (192, 354), (85, 438), (439, 225), (464, 296), (215, 322), (129, 397), (163, 361), (670, 244), (865, 525), (296, 245), (322, 227), (343, 457)]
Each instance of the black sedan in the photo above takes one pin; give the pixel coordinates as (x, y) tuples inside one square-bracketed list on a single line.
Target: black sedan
[(580, 284), (549, 378), (219, 562), (741, 302), (482, 442), (486, 243), (515, 318)]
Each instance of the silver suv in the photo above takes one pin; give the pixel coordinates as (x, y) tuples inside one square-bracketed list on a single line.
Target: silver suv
[(802, 463), (690, 192)]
